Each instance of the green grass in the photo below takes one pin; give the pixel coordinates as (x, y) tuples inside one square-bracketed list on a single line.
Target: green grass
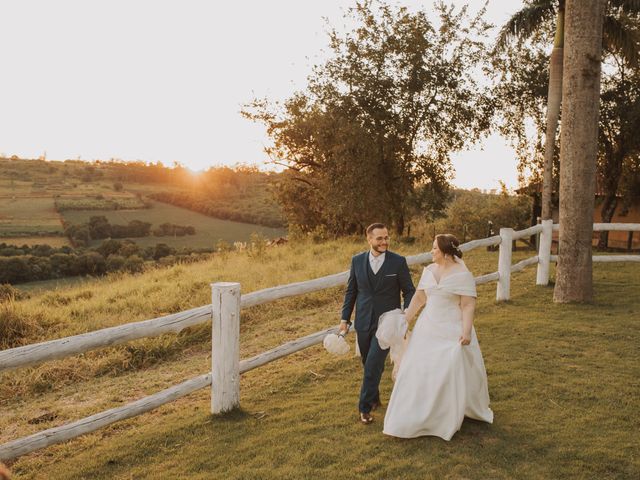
[(563, 381), (208, 230)]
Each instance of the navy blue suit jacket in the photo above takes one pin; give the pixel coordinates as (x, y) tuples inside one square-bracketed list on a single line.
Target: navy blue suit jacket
[(372, 299)]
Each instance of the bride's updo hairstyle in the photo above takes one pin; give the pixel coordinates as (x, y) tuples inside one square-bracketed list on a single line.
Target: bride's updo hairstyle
[(448, 244)]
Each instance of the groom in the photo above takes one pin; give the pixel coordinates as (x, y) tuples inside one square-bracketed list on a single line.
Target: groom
[(376, 279)]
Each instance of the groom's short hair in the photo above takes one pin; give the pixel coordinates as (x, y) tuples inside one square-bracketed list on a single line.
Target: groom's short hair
[(373, 226)]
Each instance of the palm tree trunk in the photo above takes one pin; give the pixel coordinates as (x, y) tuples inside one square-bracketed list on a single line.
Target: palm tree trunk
[(579, 148), (554, 98)]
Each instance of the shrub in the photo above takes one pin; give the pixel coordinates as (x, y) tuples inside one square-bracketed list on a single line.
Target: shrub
[(92, 263), (171, 229), (14, 269), (257, 245), (109, 247), (64, 265), (129, 248), (471, 211), (162, 250), (134, 264), (115, 262)]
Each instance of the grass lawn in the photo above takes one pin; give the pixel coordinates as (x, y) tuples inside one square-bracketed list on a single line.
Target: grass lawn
[(563, 380), (208, 230)]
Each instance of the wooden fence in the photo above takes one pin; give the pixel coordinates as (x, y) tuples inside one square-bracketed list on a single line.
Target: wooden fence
[(224, 311)]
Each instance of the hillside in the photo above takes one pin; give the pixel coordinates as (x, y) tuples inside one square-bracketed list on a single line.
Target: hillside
[(563, 381), (40, 199)]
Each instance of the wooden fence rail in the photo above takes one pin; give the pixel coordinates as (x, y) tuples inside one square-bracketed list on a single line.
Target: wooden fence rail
[(224, 310), (95, 422)]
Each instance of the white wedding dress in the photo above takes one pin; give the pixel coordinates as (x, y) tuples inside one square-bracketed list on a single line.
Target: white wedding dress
[(439, 381)]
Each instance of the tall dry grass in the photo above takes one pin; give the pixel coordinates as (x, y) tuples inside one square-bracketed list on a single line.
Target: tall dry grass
[(124, 298)]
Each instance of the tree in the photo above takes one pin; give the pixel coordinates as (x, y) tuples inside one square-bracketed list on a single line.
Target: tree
[(521, 76), (99, 227), (619, 141), (579, 148), (370, 137), (535, 17)]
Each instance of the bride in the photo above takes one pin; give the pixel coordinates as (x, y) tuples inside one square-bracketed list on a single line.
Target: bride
[(441, 378)]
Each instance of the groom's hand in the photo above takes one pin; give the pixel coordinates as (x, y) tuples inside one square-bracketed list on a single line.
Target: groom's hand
[(344, 327)]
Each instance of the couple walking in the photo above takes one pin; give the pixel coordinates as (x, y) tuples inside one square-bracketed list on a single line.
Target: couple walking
[(441, 378)]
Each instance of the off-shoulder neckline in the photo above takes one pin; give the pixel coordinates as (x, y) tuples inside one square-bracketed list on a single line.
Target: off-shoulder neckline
[(446, 276)]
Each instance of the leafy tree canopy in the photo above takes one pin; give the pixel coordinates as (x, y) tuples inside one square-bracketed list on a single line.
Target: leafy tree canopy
[(369, 138)]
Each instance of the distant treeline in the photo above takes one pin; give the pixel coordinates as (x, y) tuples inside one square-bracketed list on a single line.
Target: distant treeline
[(43, 262), (98, 227), (42, 171)]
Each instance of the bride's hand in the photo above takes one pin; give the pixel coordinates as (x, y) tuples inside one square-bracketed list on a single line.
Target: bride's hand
[(465, 339)]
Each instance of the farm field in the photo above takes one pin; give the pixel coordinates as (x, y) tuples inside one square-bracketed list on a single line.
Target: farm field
[(562, 380), (29, 216), (208, 230)]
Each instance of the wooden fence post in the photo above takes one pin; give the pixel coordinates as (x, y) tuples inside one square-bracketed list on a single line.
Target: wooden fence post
[(225, 346), (544, 252), (504, 264)]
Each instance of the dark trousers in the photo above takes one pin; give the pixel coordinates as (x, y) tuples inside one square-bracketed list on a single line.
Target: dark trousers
[(373, 358)]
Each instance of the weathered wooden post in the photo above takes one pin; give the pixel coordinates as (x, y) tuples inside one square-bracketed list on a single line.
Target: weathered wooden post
[(544, 252), (504, 264), (225, 346)]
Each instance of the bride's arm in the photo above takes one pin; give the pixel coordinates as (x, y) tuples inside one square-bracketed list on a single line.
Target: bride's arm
[(468, 307), (417, 302)]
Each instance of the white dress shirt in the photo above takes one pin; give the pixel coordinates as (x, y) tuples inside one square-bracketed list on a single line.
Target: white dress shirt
[(376, 262)]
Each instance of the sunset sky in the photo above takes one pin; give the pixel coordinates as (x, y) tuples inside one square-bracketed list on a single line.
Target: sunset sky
[(157, 80)]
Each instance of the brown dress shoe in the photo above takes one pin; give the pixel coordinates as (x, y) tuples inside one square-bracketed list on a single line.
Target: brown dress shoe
[(366, 418)]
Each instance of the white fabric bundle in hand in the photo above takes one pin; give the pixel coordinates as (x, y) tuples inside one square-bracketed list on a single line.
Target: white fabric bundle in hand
[(336, 344), (392, 328)]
